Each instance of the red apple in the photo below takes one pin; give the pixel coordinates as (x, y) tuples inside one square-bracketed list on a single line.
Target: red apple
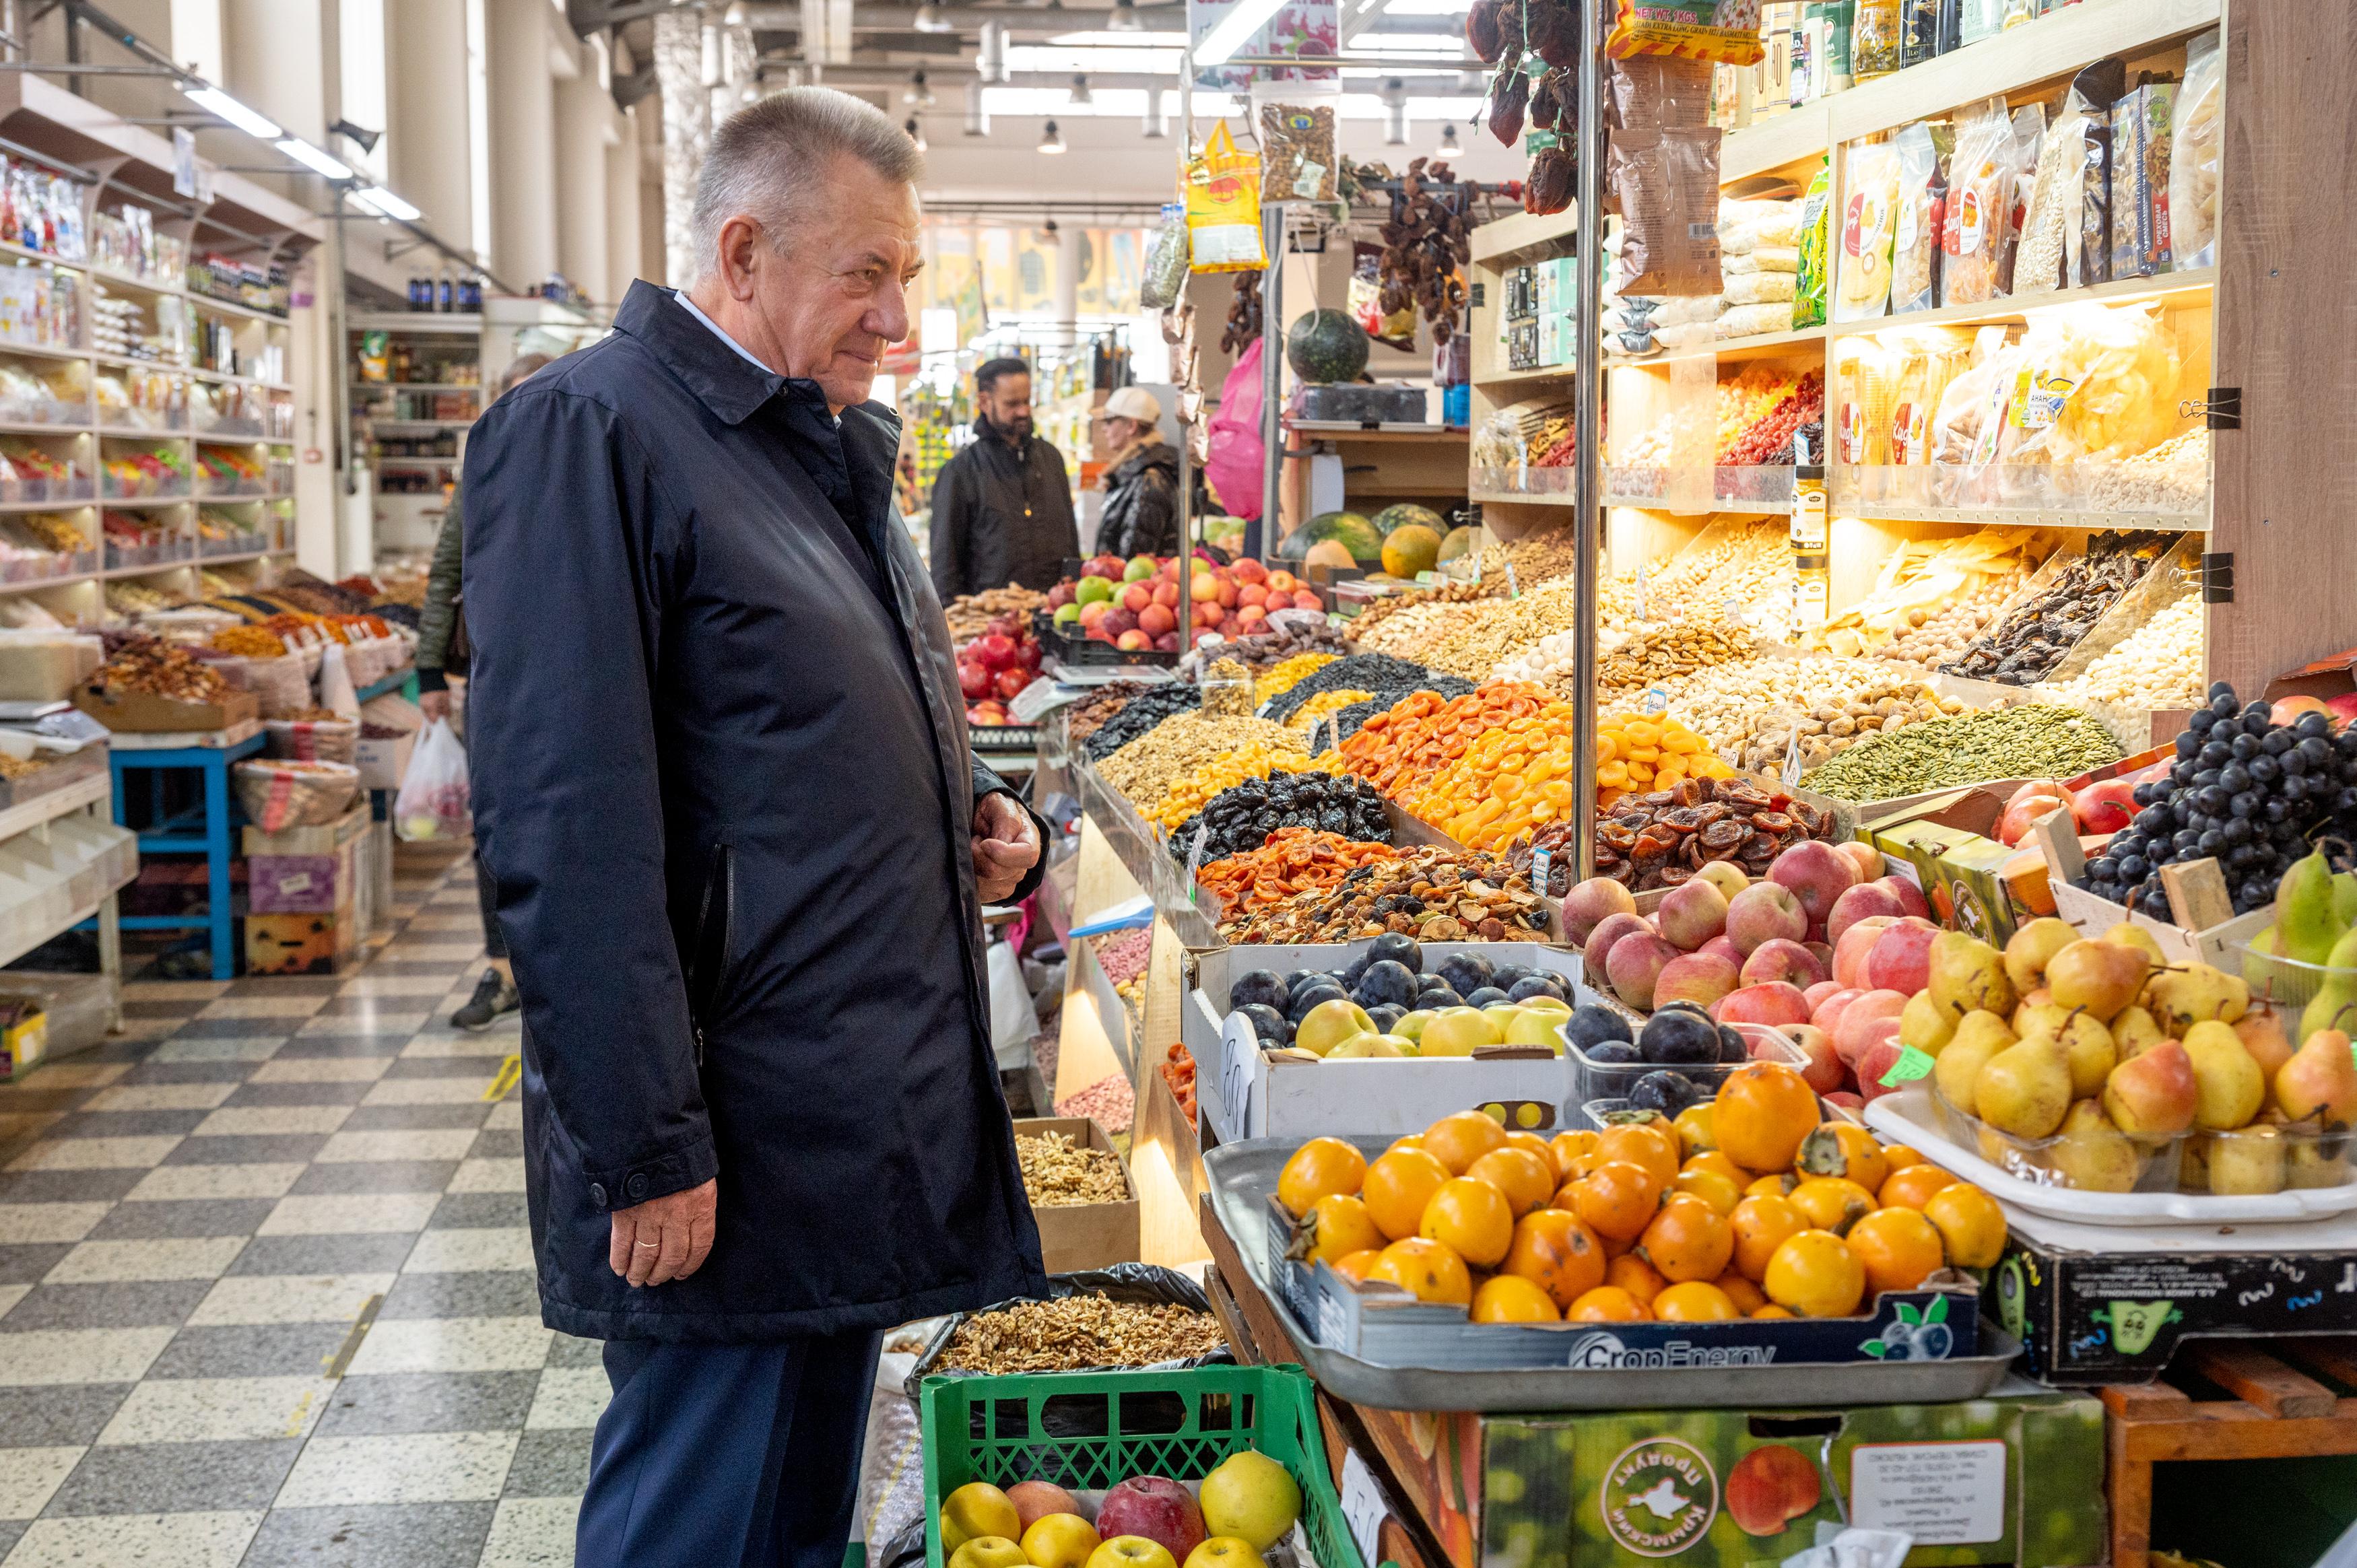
[(2287, 710), (1865, 856), (1691, 914), (1856, 903), (1012, 681), (1136, 597), (1845, 1098), (1213, 612), (1167, 594), (2105, 808), (1278, 599), (1251, 618), (1900, 958), (1875, 1061), (1764, 911), (1092, 614), (2342, 708), (1910, 896), (1871, 1017), (1166, 643), (1849, 954), (1827, 1012), (1785, 961), (1635, 964), (1249, 570), (1156, 1507), (1821, 1067), (1596, 945), (1723, 946), (1157, 618), (1251, 594), (1133, 641), (1771, 1002), (1227, 594), (1035, 1500), (1818, 993), (1816, 872), (1696, 977)]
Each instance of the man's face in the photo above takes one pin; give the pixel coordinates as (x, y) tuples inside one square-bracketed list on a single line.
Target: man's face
[(1007, 404), (836, 294)]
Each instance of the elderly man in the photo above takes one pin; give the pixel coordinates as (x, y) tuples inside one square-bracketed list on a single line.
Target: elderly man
[(740, 845)]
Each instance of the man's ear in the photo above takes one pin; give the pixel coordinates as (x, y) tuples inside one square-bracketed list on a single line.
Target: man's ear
[(741, 253)]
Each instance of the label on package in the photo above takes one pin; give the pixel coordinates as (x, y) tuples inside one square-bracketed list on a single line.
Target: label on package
[(1942, 1494)]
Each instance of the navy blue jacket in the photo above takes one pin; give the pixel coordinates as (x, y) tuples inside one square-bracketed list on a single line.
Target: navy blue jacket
[(721, 779)]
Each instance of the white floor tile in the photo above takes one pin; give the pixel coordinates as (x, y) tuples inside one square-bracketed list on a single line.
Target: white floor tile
[(31, 1222), (432, 952), (238, 1048), (11, 1294), (160, 1096), (120, 1262), (139, 1540), (355, 1213), (368, 1023), (470, 1251), (320, 1070), (402, 986), (569, 1396), (270, 1121), (287, 1006), (288, 1298), (44, 1358), (419, 1467), (30, 1475), (175, 990), (492, 1042), (507, 1116), (169, 1182), (218, 1410), (532, 1533), (488, 1175), (427, 1092), (424, 1143), (452, 1345), (96, 1154)]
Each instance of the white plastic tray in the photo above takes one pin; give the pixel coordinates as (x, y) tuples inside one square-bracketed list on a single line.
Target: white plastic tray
[(1909, 1118)]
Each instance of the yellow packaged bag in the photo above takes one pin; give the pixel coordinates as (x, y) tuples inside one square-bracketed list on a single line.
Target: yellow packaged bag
[(1223, 207), (1724, 32)]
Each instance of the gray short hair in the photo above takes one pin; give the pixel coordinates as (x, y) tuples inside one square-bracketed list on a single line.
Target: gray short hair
[(765, 157)]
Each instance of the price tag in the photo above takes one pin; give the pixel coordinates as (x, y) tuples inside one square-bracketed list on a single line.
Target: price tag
[(1657, 700), (1239, 1054), (1362, 1507), (1514, 586), (1195, 858), (1912, 1065), (1541, 861), (1793, 757)]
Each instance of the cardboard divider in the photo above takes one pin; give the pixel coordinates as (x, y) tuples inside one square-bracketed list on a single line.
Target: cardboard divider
[(1084, 1235)]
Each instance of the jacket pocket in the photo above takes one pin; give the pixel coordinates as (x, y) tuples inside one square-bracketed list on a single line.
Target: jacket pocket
[(707, 962)]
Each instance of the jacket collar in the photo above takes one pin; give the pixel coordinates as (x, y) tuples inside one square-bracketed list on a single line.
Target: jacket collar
[(987, 435), (731, 387)]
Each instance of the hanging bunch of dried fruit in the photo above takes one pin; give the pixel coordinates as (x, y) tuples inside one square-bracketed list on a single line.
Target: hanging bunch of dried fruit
[(1244, 324), (1490, 24), (1510, 95), (1427, 240), (1552, 30), (1548, 187)]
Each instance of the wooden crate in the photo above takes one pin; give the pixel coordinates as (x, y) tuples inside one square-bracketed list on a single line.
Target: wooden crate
[(2274, 1410)]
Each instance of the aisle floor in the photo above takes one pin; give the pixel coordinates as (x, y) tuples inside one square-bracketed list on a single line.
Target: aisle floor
[(265, 1284)]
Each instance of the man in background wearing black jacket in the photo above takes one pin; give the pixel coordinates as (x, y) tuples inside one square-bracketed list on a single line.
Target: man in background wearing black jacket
[(1002, 508)]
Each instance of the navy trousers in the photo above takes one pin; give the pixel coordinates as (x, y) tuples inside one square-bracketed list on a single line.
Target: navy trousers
[(727, 1456)]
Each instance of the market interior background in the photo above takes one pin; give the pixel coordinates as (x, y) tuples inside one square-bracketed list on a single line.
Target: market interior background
[(1968, 399)]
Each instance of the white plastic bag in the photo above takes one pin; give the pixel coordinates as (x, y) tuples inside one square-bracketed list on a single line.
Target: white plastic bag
[(1013, 1021), (337, 693), (433, 800)]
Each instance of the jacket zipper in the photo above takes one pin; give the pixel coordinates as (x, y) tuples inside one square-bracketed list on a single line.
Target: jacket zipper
[(703, 991)]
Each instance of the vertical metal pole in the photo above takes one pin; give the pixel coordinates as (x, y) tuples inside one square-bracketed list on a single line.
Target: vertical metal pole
[(1588, 387), (1272, 373)]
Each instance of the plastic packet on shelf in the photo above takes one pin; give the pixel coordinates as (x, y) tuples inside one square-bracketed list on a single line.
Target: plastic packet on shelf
[(1813, 253), (1724, 32), (1668, 184), (1979, 206), (1658, 91), (1862, 280), (1916, 223), (2193, 157), (2140, 151), (2097, 383)]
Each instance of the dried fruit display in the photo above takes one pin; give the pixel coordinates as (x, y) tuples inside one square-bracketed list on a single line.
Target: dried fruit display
[(1146, 770), (1400, 749), (1661, 838), (1427, 239), (969, 615), (1140, 715), (1077, 1333), (1432, 895), (1933, 597), (1389, 678), (2044, 627), (1292, 861), (1241, 818), (1758, 409), (138, 662), (1108, 1102), (1666, 651), (1252, 763), (2036, 740), (1281, 677), (1177, 1070), (1091, 714), (1243, 326), (2158, 665)]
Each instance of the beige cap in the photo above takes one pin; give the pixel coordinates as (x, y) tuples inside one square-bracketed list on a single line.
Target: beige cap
[(1134, 403)]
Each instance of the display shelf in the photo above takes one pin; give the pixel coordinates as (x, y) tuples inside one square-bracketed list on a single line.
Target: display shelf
[(45, 350), (439, 322), (2194, 284), (15, 508), (225, 378), (2028, 517), (1521, 377), (418, 423), (1765, 346), (361, 387), (1350, 429), (92, 789), (1777, 143)]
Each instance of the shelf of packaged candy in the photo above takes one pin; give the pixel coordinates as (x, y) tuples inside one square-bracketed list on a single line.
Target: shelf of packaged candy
[(43, 547), (155, 473), (44, 393), (140, 543), (141, 399), (31, 475), (237, 473), (223, 534)]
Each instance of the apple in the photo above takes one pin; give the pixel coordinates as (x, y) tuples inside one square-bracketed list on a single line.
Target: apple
[(1251, 1496), (1131, 1551), (1068, 613), (1166, 643), (1817, 994), (1227, 596), (1900, 958), (1587, 904), (1251, 618), (1855, 904), (1224, 1551), (1249, 570), (1035, 1500), (1871, 1017), (1849, 954), (1698, 977), (1203, 585), (1785, 961), (989, 1551), (2287, 710), (1157, 618), (1826, 1014), (1167, 594), (1156, 1507), (1133, 641), (1251, 594), (1875, 1061), (1816, 872), (1094, 610), (1865, 856), (1822, 1067), (1011, 683), (1283, 582), (977, 1510), (1136, 597), (1139, 568), (2342, 708), (1769, 1001), (1763, 912)]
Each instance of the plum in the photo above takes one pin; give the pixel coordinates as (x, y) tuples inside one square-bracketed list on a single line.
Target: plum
[(1505, 975), (1484, 997), (1351, 972), (1398, 947), (1259, 986), (1385, 1015), (1537, 986), (1301, 977), (1666, 1092), (1466, 973), (1386, 981), (1613, 1053), (1592, 1026), (1732, 1047), (1676, 1036), (1323, 990), (1267, 1023)]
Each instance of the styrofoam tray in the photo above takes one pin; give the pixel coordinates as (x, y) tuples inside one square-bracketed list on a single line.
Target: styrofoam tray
[(1909, 1118)]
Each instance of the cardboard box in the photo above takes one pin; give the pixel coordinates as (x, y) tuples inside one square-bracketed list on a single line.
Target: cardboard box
[(1089, 1235), (303, 884), (328, 838), (23, 1044), (2007, 1479), (1947, 849), (382, 762), (303, 945), (2110, 1304), (140, 711)]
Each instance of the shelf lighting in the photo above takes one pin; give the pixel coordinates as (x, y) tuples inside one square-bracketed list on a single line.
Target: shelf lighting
[(312, 158), (384, 204), (1448, 145), (930, 20), (1247, 17), (1125, 18), (213, 101)]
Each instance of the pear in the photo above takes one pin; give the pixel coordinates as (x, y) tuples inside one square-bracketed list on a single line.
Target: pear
[(2134, 1031), (2039, 1018), (2089, 1154), (2260, 1032), (2246, 1164), (2336, 997), (2153, 1097), (2180, 998), (2229, 1087), (2127, 933), (2304, 924), (1925, 1025), (1978, 1037), (2025, 1088), (2320, 1082), (2344, 898), (2087, 1047), (2102, 977), (2032, 947), (1965, 973)]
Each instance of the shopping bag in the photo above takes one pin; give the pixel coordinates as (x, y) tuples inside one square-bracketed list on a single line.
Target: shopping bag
[(433, 800), (1237, 456), (337, 693), (1013, 1021)]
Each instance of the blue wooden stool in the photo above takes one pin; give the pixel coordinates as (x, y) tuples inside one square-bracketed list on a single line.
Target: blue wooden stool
[(207, 829)]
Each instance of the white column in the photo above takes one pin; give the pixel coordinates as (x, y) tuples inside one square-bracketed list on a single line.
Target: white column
[(623, 219), (522, 140), (427, 134), (686, 130), (585, 116)]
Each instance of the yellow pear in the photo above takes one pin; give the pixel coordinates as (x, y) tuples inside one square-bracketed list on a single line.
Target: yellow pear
[(1965, 973), (2092, 1155), (2031, 946), (1925, 1025), (1978, 1037), (2102, 977), (2130, 934), (2228, 1086), (2180, 998), (2039, 1018), (2088, 1047), (2025, 1088), (2134, 1031), (2249, 1162)]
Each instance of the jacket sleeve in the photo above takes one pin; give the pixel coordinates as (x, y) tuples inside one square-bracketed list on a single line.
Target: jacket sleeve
[(1157, 510), (986, 781), (1063, 493), (568, 548), (440, 611), (950, 522)]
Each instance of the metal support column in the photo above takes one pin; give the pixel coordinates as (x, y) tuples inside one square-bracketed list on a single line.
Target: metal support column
[(1587, 431), (1272, 377)]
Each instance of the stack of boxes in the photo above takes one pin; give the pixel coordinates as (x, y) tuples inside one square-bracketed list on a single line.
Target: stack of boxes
[(307, 902), (1535, 328)]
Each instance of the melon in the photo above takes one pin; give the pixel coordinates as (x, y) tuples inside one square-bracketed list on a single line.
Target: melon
[(1411, 549), (1460, 543), (1350, 529), (1400, 514), (1328, 553), (1326, 346)]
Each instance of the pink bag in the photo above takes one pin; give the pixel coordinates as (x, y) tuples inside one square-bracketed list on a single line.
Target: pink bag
[(1237, 459)]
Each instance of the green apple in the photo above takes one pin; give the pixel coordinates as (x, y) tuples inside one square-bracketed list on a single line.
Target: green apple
[(1092, 590), (1251, 1495), (1329, 1023), (1224, 1551), (1455, 1031), (1536, 1026), (1362, 1048), (1411, 1027)]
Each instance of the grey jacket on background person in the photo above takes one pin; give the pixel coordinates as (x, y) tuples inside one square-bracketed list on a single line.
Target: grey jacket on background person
[(1002, 514)]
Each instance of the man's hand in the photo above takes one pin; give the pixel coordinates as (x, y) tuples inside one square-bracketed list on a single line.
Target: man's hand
[(1006, 845), (665, 1237), (433, 705)]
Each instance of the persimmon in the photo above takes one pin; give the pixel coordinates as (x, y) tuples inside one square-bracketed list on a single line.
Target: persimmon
[(1634, 1274), (1425, 1269), (1457, 1140), (1912, 1187), (1320, 1169), (1971, 1225), (1397, 1188), (1815, 1275), (1608, 1303), (1617, 1199), (1688, 1239), (1762, 1111), (1760, 1226), (1897, 1247), (1694, 1301), (1510, 1298), (1342, 1226), (1554, 1252), (1472, 1219)]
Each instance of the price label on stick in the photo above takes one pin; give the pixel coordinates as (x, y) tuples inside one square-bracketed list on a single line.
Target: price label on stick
[(1363, 1506), (1641, 600), (1541, 861), (1657, 700), (1239, 1049), (1793, 757), (1195, 858), (1514, 588)]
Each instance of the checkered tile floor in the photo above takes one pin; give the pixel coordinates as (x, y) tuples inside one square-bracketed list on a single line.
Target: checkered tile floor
[(265, 1285)]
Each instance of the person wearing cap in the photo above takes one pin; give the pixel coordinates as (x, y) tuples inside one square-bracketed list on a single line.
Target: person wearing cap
[(1141, 482)]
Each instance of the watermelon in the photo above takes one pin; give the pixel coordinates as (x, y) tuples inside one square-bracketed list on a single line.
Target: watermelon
[(1352, 530), (1400, 514), (1326, 346)]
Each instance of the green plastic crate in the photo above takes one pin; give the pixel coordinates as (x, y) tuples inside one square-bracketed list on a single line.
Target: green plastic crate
[(1175, 1424)]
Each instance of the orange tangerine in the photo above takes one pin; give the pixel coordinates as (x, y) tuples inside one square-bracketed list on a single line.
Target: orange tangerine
[(1898, 1248), (1771, 1310), (1617, 1199), (1747, 1296), (1650, 1145), (1762, 1111), (1688, 1239), (1460, 1139), (1472, 1220), (1608, 1303), (1526, 1179), (1397, 1188), (1554, 1252), (1708, 1186), (1510, 1298), (1833, 1203), (1341, 1226), (1638, 1278), (1519, 1139), (1970, 1223), (1425, 1269), (1354, 1266), (1320, 1169), (1761, 1225), (1912, 1187), (1694, 1301), (1816, 1275)]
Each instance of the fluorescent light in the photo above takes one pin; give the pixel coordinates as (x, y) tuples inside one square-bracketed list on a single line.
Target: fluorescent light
[(384, 204), (215, 100), (1125, 18), (312, 158), (1245, 18)]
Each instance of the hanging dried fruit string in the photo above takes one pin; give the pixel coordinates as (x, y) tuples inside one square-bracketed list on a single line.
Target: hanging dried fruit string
[(1507, 35), (1426, 239)]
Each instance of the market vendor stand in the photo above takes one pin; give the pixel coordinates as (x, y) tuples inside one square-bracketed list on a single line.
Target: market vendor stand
[(204, 828)]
